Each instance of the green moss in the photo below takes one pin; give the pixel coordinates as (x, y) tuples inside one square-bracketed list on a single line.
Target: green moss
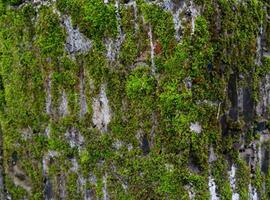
[(190, 86), (96, 19), (50, 34), (162, 24), (140, 83)]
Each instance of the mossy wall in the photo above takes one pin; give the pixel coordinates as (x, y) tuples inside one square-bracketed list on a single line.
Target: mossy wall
[(135, 99)]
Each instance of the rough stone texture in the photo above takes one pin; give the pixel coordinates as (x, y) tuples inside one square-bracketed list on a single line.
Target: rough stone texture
[(212, 188), (217, 113), (74, 138), (63, 107), (76, 42), (101, 110), (264, 102)]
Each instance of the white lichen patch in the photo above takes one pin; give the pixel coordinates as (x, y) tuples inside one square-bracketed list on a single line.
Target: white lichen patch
[(101, 110), (195, 127)]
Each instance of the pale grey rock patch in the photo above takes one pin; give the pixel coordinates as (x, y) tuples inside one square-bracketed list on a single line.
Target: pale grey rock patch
[(104, 188), (212, 155), (74, 138), (101, 110), (194, 13), (212, 189), (63, 108), (195, 127), (113, 46), (232, 178), (76, 42), (253, 194), (83, 103), (49, 94), (191, 192), (152, 52)]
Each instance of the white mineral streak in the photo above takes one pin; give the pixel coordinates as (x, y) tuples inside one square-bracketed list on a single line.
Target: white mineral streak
[(113, 46), (101, 111), (260, 155), (169, 6), (194, 14), (232, 173), (110, 49), (63, 108), (83, 103), (75, 165), (47, 131), (258, 60), (76, 42), (104, 188), (150, 35), (195, 127), (212, 188), (177, 24), (253, 195)]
